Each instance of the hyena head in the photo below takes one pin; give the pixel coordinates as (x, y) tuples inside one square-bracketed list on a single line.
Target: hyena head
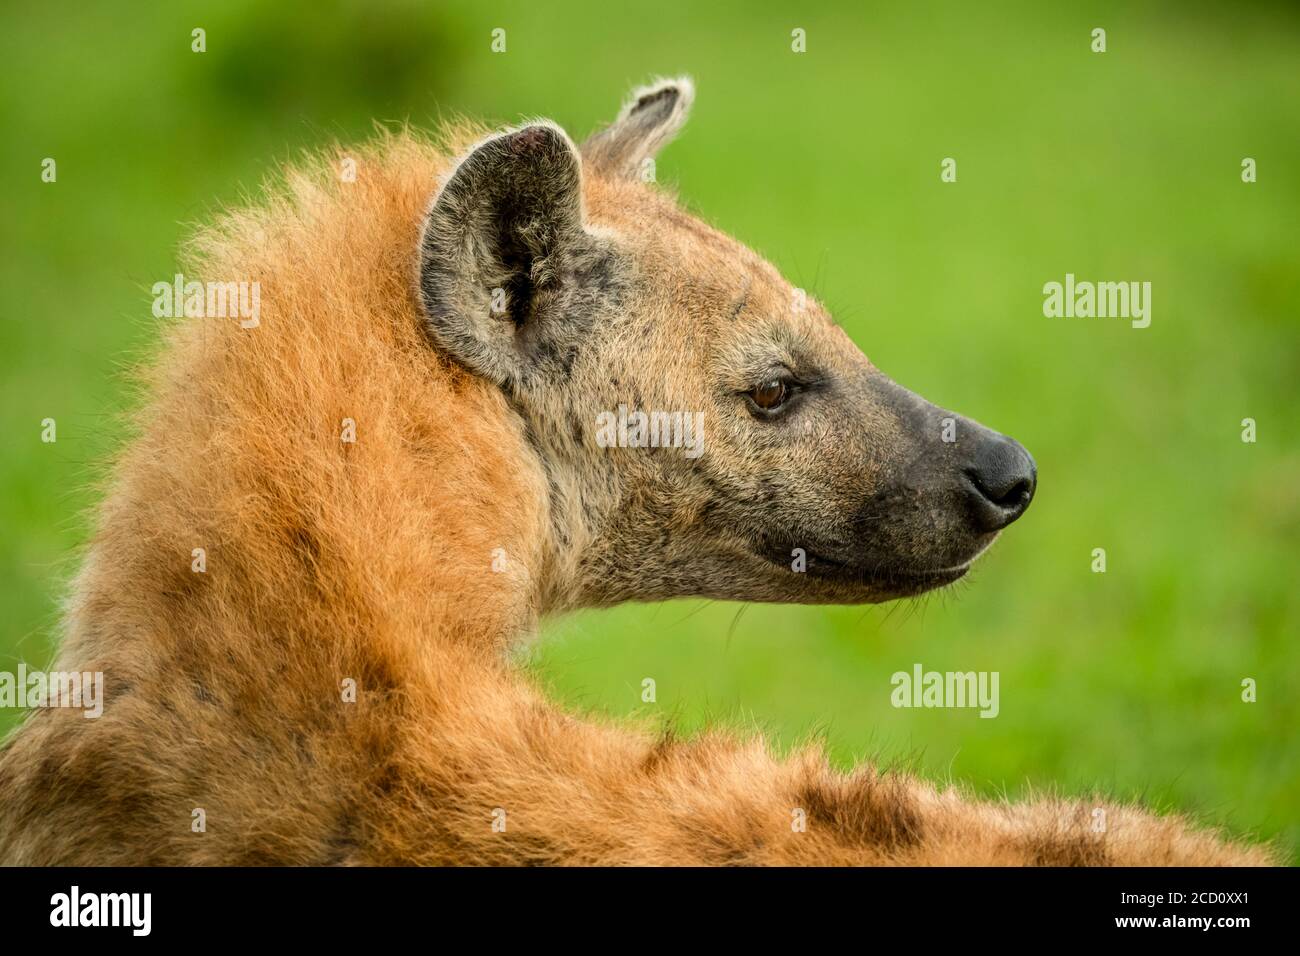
[(706, 428)]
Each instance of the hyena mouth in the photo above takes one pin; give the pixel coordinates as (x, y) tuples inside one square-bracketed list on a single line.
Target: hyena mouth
[(887, 580), (884, 581)]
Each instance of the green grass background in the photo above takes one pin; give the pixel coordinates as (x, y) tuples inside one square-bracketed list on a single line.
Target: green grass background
[(1117, 166)]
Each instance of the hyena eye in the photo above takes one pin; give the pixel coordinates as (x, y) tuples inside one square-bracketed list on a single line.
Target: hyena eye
[(770, 396)]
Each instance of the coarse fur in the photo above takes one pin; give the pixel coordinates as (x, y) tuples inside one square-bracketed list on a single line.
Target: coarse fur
[(473, 502)]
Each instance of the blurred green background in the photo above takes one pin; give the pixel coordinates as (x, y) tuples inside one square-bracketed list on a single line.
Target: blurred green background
[(1116, 166)]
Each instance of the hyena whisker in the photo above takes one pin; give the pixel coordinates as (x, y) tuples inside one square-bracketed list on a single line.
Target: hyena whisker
[(735, 621)]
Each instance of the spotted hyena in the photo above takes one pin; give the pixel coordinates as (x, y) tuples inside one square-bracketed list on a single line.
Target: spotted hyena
[(431, 439)]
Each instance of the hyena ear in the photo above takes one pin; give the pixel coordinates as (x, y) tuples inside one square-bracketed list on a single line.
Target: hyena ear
[(508, 275), (648, 122)]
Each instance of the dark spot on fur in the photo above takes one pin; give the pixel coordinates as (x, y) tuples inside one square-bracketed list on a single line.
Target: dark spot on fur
[(738, 308), (1078, 848), (341, 844), (659, 753), (388, 780), (47, 773), (92, 784), (866, 810), (723, 839), (376, 675), (308, 551), (303, 746), (530, 849), (182, 583), (566, 364), (305, 544)]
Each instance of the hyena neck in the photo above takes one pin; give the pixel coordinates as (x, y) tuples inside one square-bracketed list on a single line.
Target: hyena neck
[(582, 502), (325, 474)]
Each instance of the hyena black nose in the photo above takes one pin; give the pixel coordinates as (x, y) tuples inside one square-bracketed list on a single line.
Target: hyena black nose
[(1002, 480)]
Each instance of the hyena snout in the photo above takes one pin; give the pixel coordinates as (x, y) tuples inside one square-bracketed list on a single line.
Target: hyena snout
[(956, 484)]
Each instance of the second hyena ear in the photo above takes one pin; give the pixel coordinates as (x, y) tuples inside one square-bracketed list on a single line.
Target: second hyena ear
[(646, 124), (507, 273)]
